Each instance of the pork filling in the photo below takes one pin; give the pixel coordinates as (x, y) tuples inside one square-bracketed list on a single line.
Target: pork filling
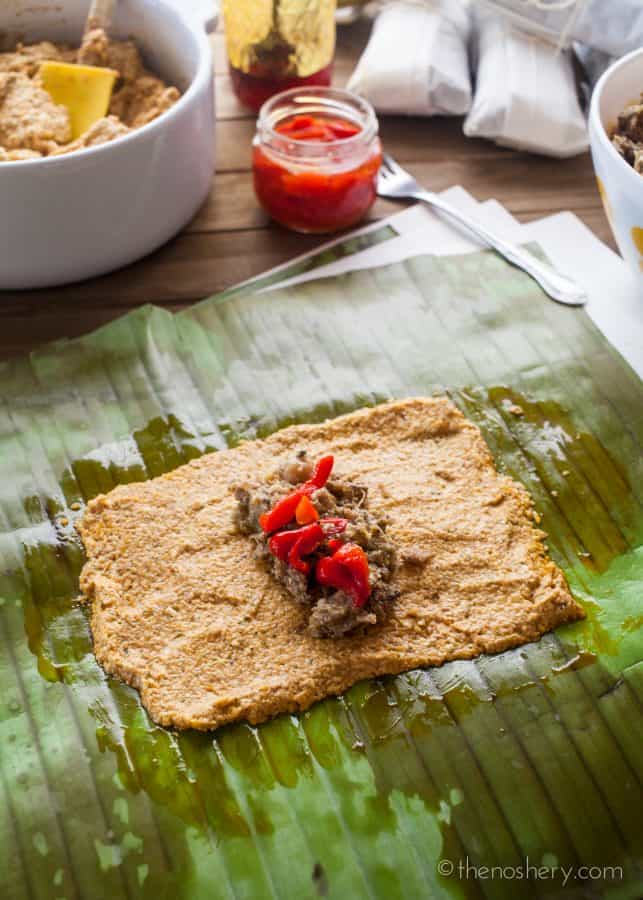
[(340, 538)]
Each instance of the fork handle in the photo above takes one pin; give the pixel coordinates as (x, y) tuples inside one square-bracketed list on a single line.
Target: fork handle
[(558, 287)]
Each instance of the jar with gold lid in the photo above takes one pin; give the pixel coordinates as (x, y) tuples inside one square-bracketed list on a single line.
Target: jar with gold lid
[(274, 45)]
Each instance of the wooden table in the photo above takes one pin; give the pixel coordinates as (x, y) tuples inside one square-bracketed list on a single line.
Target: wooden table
[(231, 239)]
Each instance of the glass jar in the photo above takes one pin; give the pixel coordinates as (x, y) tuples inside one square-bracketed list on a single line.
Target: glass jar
[(278, 44), (316, 155)]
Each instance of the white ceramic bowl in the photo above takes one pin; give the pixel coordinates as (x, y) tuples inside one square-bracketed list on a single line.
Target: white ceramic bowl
[(620, 186), (72, 217)]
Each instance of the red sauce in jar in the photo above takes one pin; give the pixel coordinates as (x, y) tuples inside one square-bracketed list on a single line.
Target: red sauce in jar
[(254, 90), (318, 199)]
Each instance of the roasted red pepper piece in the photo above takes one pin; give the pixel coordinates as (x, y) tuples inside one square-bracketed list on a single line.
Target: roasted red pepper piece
[(295, 124), (330, 573), (311, 133), (290, 546), (281, 544), (285, 510), (310, 537), (306, 512), (282, 512), (346, 570), (317, 128), (342, 129), (321, 474), (353, 558)]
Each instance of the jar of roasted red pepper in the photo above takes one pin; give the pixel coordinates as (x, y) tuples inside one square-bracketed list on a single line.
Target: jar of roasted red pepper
[(316, 156)]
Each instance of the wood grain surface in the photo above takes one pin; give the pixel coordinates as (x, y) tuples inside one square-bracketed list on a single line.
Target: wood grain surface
[(232, 239)]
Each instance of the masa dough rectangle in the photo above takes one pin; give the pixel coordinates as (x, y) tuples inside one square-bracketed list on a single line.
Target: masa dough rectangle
[(183, 611)]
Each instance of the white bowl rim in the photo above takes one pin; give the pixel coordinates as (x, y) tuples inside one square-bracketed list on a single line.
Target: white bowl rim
[(202, 76), (595, 118)]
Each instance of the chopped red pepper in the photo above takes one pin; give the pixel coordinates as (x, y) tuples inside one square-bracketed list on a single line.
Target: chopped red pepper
[(290, 546), (321, 474), (317, 128), (352, 557), (342, 129), (306, 512), (330, 573), (281, 544), (294, 123), (282, 512), (285, 510), (346, 570), (309, 540), (311, 133), (298, 540)]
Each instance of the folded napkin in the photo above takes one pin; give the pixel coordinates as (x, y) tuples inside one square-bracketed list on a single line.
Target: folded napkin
[(526, 95), (416, 61)]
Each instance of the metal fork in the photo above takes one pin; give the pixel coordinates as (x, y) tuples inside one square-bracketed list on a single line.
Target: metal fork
[(397, 184)]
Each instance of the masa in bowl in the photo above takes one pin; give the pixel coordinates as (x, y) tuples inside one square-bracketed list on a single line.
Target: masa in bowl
[(67, 218)]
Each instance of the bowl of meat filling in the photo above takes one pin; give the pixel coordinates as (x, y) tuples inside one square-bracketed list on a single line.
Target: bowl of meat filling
[(78, 206), (616, 133)]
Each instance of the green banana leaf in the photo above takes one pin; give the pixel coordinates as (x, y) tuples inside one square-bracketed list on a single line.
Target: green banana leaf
[(517, 775)]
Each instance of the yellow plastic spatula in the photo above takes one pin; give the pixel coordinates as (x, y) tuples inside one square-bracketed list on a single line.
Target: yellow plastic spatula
[(85, 90)]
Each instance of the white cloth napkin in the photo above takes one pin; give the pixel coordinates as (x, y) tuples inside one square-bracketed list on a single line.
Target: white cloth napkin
[(416, 61), (526, 94)]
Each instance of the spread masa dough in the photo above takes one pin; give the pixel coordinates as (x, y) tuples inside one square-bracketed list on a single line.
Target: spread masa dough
[(183, 611)]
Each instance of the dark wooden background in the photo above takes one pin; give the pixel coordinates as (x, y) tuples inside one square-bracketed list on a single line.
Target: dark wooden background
[(231, 239)]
